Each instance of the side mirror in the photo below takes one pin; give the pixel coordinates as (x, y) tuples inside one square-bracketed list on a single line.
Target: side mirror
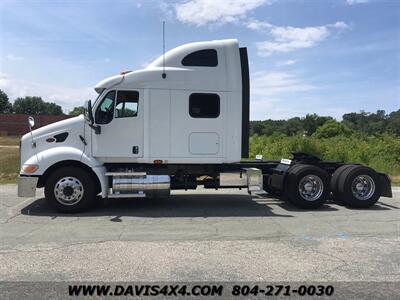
[(89, 117), (89, 112), (31, 122)]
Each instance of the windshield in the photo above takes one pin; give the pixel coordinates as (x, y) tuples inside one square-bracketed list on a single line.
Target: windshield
[(98, 97)]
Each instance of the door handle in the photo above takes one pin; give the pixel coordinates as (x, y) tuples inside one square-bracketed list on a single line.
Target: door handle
[(135, 149)]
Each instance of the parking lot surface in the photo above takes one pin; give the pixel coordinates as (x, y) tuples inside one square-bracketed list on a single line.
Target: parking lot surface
[(205, 235)]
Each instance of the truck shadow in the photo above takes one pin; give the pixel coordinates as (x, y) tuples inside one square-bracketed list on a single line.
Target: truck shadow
[(186, 206), (189, 206)]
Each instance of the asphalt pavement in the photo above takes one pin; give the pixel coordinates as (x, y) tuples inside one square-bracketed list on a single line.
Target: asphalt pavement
[(198, 236)]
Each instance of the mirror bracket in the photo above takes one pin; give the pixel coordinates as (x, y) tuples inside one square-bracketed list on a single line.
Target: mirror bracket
[(97, 128)]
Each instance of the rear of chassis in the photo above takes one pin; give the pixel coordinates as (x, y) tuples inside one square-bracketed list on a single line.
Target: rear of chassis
[(308, 182)]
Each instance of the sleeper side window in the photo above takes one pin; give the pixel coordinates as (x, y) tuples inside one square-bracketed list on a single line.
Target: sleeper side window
[(127, 104), (201, 58), (105, 110), (204, 105)]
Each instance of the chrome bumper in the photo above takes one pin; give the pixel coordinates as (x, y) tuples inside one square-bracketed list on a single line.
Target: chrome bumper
[(27, 186)]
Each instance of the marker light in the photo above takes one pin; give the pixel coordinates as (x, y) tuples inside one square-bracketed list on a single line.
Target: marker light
[(29, 169)]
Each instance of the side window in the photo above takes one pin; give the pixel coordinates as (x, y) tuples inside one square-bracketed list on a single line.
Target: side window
[(105, 110), (127, 104), (201, 58), (202, 105)]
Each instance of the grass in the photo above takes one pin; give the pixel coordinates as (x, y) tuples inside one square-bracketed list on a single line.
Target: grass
[(395, 180), (9, 165), (9, 140), (381, 153), (9, 158)]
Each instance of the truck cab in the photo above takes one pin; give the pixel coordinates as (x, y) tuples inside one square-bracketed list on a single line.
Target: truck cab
[(185, 107), (181, 122)]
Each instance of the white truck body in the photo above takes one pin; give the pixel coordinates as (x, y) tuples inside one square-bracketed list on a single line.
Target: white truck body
[(163, 128), (181, 122)]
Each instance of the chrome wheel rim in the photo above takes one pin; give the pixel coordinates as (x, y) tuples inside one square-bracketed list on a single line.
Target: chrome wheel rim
[(311, 187), (363, 187), (68, 191)]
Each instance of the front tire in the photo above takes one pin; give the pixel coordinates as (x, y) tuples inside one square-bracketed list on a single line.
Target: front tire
[(70, 190)]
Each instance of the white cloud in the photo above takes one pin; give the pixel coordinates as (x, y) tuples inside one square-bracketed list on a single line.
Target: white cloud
[(272, 84), (13, 57), (352, 2), (258, 25), (65, 96), (203, 12), (285, 63), (274, 94), (288, 38), (339, 25), (218, 12)]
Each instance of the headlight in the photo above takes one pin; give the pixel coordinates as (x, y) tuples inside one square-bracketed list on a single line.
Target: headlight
[(29, 169)]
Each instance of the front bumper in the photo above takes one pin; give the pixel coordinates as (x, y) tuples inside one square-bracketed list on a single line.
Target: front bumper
[(27, 186)]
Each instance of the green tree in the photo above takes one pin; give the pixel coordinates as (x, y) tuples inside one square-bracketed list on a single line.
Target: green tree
[(393, 123), (29, 105), (377, 122), (332, 128), (293, 126), (78, 110), (5, 105), (52, 109), (36, 106), (312, 122), (356, 121), (273, 126), (256, 127)]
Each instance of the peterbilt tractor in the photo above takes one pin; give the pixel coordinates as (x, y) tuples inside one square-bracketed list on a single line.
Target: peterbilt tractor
[(179, 123)]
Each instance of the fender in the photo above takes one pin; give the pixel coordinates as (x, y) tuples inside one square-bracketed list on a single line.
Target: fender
[(51, 156)]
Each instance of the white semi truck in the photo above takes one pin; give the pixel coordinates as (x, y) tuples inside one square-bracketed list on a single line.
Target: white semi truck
[(181, 122)]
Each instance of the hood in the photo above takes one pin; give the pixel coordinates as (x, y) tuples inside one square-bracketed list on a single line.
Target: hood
[(57, 127), (65, 133)]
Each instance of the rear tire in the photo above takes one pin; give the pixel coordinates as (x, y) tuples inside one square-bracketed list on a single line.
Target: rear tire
[(307, 186), (334, 184), (70, 190), (358, 187)]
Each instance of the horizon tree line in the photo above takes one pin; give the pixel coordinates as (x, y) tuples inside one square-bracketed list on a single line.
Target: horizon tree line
[(369, 123)]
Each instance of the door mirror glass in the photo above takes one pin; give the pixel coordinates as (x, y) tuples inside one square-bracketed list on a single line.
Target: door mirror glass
[(88, 111), (31, 122)]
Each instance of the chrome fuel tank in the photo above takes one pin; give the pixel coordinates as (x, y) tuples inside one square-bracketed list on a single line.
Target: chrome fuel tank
[(151, 185)]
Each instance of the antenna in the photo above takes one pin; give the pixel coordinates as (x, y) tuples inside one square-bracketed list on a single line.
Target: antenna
[(164, 75)]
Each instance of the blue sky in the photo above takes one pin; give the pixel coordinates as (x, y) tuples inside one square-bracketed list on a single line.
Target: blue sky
[(324, 56)]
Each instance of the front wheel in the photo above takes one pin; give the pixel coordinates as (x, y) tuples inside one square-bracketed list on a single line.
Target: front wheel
[(70, 190)]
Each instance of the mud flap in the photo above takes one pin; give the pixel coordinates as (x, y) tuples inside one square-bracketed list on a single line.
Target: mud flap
[(385, 185)]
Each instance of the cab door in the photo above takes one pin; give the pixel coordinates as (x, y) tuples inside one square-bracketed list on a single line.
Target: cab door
[(120, 117)]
